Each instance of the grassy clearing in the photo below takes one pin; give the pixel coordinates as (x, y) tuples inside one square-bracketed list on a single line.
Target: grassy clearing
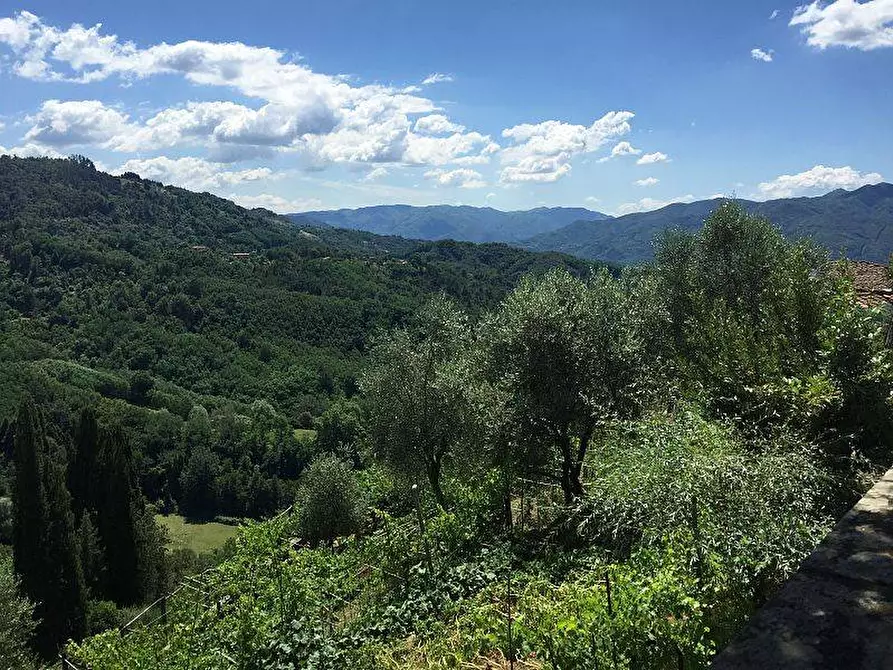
[(200, 537)]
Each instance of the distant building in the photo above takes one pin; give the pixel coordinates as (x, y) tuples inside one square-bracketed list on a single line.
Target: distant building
[(241, 254), (874, 287), (199, 248)]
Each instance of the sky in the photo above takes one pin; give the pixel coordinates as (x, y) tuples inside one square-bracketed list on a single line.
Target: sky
[(618, 107)]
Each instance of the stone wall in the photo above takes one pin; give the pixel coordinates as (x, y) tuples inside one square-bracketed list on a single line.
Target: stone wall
[(837, 610)]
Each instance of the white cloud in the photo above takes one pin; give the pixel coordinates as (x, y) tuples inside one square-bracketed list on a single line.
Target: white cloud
[(649, 159), (649, 204), (324, 117), (647, 181), (817, 179), (437, 78), (592, 200), (773, 15), (462, 177), (193, 173), (376, 173), (858, 25), (75, 123), (31, 150), (276, 203), (542, 152), (758, 54), (2, 126), (436, 124), (621, 149)]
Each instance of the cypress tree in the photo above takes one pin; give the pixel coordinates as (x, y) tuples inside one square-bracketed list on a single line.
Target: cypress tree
[(83, 470), (28, 519), (64, 614), (117, 504), (45, 552)]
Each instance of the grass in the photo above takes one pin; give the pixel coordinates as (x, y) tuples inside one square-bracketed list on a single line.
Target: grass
[(305, 434), (200, 537)]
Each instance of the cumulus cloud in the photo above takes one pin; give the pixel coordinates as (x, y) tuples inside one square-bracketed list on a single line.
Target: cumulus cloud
[(320, 115), (647, 181), (436, 124), (276, 203), (541, 152), (621, 149), (649, 159), (437, 78), (816, 180), (760, 54), (461, 177), (31, 150), (857, 25), (74, 123), (376, 173), (649, 204), (194, 173)]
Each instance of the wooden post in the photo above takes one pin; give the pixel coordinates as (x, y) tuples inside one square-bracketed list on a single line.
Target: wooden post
[(611, 616), (508, 589), (696, 531), (421, 518)]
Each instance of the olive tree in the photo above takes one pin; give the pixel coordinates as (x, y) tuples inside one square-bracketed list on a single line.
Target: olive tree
[(329, 502), (564, 356), (415, 393)]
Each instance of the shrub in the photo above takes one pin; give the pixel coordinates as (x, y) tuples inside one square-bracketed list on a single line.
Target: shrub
[(329, 501)]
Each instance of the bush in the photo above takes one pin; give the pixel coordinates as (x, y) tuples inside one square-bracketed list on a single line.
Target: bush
[(329, 501)]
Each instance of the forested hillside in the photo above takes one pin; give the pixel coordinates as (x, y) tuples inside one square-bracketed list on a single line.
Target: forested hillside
[(597, 472), (857, 224), (205, 341), (466, 456)]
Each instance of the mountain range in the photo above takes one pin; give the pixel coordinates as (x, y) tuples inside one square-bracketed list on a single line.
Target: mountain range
[(857, 224), (468, 224)]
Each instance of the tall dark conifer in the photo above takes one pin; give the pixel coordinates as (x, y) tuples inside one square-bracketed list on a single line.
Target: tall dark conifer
[(45, 552), (28, 517), (116, 514), (82, 473)]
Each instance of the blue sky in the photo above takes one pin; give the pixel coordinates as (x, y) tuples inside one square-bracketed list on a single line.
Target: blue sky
[(299, 105)]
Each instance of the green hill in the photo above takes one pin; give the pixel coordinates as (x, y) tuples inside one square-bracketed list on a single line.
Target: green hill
[(858, 224)]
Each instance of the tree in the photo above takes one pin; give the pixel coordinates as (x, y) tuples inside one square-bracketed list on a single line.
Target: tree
[(198, 483), (45, 551), (414, 388), (329, 501), (17, 623), (563, 358), (339, 430), (83, 471), (117, 500)]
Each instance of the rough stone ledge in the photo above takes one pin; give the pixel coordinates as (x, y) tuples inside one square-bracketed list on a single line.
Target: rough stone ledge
[(837, 610)]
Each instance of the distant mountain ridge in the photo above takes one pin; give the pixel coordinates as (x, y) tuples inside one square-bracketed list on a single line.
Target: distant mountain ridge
[(857, 224), (463, 223)]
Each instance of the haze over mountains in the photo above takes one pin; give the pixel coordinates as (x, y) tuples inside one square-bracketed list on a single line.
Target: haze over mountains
[(469, 224), (858, 224)]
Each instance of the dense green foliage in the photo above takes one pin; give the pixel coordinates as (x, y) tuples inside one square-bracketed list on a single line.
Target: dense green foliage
[(206, 332), (854, 223), (329, 502), (17, 623), (596, 472)]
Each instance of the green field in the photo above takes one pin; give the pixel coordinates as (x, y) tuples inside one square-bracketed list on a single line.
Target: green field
[(200, 537)]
